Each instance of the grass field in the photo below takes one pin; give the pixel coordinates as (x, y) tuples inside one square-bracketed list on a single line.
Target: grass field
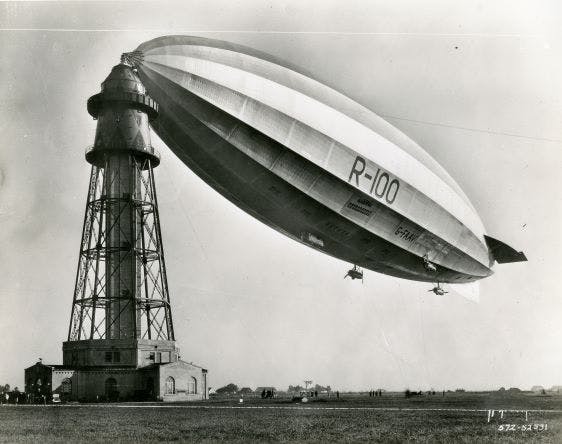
[(352, 418)]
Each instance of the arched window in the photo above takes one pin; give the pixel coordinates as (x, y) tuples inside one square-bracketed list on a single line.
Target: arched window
[(192, 385), (66, 385), (170, 386)]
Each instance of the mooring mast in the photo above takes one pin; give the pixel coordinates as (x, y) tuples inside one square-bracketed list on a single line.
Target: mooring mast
[(121, 302), (120, 343)]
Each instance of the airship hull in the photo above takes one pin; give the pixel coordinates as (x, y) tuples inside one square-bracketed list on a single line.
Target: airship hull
[(309, 163)]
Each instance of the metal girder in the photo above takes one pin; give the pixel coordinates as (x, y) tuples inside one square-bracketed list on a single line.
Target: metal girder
[(121, 288)]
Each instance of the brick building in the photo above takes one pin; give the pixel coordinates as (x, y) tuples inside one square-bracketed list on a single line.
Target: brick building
[(165, 381)]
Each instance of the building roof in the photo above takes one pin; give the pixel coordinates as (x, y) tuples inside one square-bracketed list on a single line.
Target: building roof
[(161, 364), (107, 367), (39, 363)]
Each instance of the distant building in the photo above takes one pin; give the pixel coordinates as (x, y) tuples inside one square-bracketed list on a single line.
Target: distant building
[(537, 389)]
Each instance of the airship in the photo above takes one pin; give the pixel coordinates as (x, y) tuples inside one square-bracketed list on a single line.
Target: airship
[(311, 163)]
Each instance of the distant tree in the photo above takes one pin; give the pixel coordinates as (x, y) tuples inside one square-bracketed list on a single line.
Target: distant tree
[(295, 388), (320, 388), (245, 390), (230, 388), (16, 390), (5, 388)]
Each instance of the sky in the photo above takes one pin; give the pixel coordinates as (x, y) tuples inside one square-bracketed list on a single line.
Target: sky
[(476, 84)]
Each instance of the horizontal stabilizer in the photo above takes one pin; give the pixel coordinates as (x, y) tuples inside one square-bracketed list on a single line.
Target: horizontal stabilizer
[(503, 253)]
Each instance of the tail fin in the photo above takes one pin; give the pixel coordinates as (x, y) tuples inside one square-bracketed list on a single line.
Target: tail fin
[(503, 253)]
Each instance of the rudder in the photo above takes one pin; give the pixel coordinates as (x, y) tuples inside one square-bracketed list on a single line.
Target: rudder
[(503, 253)]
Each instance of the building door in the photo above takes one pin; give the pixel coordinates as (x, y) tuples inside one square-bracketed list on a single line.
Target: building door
[(150, 387), (66, 389), (111, 391)]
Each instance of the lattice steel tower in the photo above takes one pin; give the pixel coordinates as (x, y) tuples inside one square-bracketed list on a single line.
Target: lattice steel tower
[(121, 309)]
